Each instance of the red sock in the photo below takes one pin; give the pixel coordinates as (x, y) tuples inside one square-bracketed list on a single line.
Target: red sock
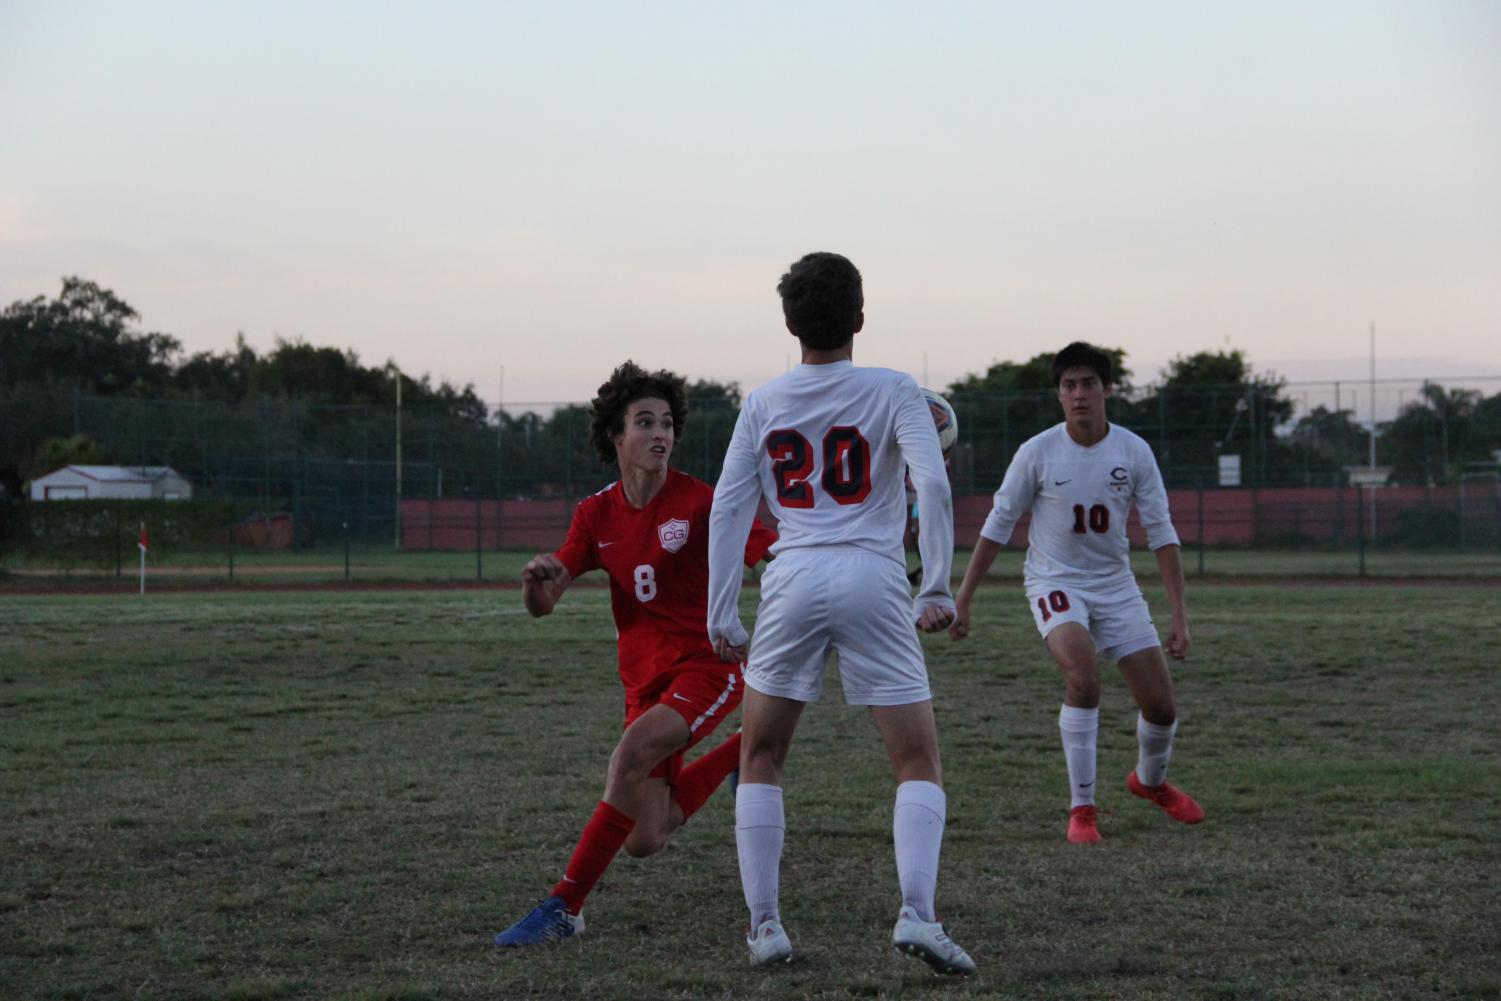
[(603, 835), (697, 782)]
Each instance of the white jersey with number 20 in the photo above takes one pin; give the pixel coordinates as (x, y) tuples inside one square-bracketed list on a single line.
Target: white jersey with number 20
[(1079, 498), (828, 446)]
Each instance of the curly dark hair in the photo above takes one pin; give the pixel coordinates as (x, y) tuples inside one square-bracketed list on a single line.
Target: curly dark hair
[(627, 384), (822, 297), (1082, 355)]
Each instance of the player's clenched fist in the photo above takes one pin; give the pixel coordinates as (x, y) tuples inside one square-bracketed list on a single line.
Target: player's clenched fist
[(934, 618), (728, 651), (1177, 641), (542, 568), (959, 628)]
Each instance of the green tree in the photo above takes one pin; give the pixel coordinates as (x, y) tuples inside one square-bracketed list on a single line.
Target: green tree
[(55, 453), (1007, 404), (86, 338), (712, 410), (1487, 429), (565, 462), (1435, 437), (1210, 404), (225, 377), (1323, 442), (298, 370)]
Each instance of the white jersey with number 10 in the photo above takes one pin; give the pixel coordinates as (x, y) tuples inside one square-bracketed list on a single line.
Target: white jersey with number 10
[(1080, 498)]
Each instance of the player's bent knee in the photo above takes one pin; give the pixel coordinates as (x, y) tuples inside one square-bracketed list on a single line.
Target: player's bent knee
[(1159, 714), (1082, 694), (919, 768), (763, 758), (631, 765), (641, 844)]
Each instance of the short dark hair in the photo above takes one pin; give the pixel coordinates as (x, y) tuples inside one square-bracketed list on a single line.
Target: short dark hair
[(627, 384), (1082, 355), (822, 297)]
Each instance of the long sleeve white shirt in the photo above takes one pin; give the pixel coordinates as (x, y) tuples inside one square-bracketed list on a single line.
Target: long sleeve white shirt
[(829, 447)]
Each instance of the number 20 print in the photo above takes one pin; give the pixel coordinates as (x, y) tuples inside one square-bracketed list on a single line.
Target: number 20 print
[(846, 466)]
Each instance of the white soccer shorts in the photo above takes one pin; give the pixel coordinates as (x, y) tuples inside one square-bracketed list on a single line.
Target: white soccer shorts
[(848, 600), (1118, 620)]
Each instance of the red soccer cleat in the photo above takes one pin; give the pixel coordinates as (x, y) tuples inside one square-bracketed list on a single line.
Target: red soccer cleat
[(1174, 801), (1081, 826)]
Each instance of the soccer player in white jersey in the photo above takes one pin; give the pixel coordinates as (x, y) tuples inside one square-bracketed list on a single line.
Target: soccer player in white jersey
[(1079, 480), (827, 444)]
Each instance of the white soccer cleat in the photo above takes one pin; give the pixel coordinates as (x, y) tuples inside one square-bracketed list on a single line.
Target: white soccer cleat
[(929, 941), (769, 944)]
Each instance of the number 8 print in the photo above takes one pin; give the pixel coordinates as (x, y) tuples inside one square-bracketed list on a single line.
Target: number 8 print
[(646, 582)]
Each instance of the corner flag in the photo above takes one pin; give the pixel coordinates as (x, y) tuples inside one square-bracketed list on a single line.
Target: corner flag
[(144, 545)]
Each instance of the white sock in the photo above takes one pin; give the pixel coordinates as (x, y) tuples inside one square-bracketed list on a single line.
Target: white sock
[(1079, 729), (1156, 750), (760, 826), (917, 831)]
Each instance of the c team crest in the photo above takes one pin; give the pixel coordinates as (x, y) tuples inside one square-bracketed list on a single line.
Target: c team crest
[(673, 533)]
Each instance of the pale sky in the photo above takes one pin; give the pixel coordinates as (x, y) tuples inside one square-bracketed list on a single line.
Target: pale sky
[(551, 188)]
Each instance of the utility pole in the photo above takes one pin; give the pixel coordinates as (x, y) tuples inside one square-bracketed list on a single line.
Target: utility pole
[(1372, 454), (398, 459), (500, 437), (1373, 400)]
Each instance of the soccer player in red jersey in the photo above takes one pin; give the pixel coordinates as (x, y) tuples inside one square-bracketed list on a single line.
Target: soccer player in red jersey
[(649, 532)]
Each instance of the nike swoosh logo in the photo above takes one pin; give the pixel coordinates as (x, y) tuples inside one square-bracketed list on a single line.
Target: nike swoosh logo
[(1059, 483), (1085, 785), (679, 695), (602, 545)]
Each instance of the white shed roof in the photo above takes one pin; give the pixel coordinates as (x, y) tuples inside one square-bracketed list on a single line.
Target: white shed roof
[(121, 474)]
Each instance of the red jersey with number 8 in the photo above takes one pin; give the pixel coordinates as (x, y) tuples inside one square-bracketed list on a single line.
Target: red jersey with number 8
[(657, 558)]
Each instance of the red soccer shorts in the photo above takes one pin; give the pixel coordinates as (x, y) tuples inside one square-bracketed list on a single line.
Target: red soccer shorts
[(703, 694)]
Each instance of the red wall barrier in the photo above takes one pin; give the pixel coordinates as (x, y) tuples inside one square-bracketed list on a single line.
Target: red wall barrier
[(1224, 517)]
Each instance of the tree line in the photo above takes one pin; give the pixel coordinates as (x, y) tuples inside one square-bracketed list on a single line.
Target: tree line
[(89, 341)]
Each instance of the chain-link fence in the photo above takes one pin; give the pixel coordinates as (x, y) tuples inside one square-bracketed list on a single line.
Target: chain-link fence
[(372, 479), (1308, 434)]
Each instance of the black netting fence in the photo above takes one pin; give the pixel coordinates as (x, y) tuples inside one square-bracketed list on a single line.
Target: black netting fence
[(304, 476)]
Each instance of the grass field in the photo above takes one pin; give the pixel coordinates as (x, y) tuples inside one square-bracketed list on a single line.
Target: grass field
[(344, 795)]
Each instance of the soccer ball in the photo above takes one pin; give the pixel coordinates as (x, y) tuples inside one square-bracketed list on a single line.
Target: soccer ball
[(944, 419)]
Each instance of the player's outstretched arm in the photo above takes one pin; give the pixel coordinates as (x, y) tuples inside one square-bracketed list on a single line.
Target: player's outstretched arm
[(1170, 565), (543, 581), (979, 564)]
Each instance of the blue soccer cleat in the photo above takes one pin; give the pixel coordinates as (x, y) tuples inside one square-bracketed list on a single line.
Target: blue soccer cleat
[(549, 921), (734, 780)]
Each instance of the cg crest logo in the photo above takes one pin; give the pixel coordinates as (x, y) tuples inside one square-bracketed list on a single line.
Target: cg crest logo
[(1120, 479), (673, 534)]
